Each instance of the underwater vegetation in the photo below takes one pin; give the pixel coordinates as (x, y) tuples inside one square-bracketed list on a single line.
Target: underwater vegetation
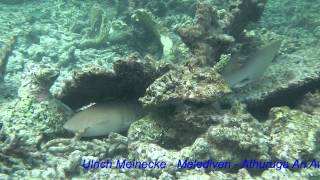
[(158, 81)]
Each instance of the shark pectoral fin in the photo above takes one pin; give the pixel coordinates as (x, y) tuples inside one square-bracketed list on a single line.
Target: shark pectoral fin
[(80, 133)]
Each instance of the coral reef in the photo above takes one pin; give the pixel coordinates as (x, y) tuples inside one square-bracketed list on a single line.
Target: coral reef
[(119, 33), (34, 117), (73, 53), (58, 158), (199, 85), (234, 132), (205, 38), (299, 55), (194, 118), (239, 133), (35, 108), (115, 144), (142, 32), (293, 134), (155, 134), (310, 103), (242, 13), (214, 31), (299, 20), (14, 152), (128, 80)]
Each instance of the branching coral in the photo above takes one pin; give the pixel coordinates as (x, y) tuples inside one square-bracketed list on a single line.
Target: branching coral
[(205, 37), (14, 152), (214, 31)]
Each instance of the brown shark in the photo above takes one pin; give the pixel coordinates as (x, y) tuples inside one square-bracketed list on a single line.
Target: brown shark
[(101, 119)]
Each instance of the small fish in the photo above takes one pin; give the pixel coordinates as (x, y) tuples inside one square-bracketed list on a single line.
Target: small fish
[(101, 119), (253, 68)]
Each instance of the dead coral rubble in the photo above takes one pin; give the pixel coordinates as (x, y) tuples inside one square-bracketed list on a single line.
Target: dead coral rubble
[(225, 133), (14, 153), (201, 85), (214, 31), (35, 114), (58, 158), (27, 121), (189, 101), (38, 80), (238, 136), (196, 119), (311, 103), (294, 134)]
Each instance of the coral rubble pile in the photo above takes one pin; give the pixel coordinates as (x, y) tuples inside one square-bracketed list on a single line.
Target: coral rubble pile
[(168, 56), (199, 85)]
